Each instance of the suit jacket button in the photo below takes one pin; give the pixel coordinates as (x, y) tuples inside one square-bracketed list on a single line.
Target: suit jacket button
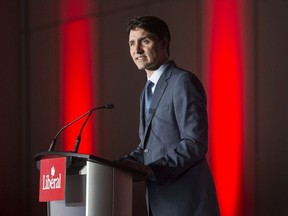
[(146, 150)]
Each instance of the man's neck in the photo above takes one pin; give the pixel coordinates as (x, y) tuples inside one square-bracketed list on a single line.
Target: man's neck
[(150, 72)]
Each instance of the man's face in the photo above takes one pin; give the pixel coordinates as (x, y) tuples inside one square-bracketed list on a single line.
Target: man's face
[(146, 50)]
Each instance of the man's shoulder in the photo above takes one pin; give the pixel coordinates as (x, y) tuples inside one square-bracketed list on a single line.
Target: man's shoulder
[(181, 77), (178, 72), (176, 69)]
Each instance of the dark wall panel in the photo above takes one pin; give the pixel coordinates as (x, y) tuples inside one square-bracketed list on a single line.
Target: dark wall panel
[(272, 88), (11, 187)]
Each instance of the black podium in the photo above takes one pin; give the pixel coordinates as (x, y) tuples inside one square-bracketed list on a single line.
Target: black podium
[(93, 186)]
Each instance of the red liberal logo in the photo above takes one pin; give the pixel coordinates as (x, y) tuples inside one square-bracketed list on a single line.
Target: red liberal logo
[(52, 179)]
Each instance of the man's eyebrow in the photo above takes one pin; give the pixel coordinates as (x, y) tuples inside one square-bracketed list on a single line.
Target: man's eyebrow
[(139, 39), (144, 37)]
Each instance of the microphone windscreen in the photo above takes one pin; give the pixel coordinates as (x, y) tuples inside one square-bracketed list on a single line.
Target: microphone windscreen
[(109, 106)]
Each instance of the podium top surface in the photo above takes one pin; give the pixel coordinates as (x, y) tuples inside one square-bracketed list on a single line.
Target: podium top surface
[(136, 169), (85, 157)]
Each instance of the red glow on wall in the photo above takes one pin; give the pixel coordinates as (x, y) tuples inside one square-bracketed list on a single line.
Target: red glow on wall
[(77, 77), (224, 69)]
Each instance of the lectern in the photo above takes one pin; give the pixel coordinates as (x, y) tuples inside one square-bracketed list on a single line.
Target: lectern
[(91, 186)]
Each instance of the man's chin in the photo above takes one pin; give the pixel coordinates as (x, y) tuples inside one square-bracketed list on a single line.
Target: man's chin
[(146, 67), (141, 67)]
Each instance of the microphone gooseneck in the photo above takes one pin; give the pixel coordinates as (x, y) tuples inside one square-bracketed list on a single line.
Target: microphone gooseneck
[(53, 142), (78, 140)]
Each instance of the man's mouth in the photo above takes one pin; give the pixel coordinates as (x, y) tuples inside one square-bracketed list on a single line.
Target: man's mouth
[(140, 57)]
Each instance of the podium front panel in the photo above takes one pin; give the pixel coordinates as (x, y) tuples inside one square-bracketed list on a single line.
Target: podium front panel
[(93, 187), (59, 208), (99, 190), (96, 190)]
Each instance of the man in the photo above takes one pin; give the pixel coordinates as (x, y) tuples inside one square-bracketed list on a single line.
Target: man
[(173, 127)]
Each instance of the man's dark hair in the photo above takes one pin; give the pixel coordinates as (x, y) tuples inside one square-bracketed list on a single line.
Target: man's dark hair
[(153, 25)]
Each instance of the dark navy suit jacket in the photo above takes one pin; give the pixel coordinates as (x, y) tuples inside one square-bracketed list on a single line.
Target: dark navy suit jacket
[(174, 144)]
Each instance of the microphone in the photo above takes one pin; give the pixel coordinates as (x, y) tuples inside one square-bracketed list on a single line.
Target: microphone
[(77, 143), (89, 112)]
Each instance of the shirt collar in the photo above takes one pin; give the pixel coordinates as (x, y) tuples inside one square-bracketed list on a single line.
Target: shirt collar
[(156, 75)]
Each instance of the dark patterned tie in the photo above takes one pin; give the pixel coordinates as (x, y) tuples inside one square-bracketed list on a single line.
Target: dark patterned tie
[(148, 95), (147, 100)]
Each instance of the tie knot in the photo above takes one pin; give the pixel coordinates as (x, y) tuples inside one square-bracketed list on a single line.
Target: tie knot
[(149, 84), (148, 96)]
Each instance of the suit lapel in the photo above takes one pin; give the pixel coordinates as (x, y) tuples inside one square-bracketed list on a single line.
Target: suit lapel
[(142, 123), (159, 90)]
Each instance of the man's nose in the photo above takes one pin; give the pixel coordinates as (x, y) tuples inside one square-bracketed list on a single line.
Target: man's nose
[(139, 48)]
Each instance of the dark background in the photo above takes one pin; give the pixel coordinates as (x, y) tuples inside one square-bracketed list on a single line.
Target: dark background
[(29, 89)]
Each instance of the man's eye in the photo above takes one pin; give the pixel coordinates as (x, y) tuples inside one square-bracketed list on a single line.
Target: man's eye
[(145, 41)]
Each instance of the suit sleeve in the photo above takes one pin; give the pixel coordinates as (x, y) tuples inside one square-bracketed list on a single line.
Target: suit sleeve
[(189, 104)]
